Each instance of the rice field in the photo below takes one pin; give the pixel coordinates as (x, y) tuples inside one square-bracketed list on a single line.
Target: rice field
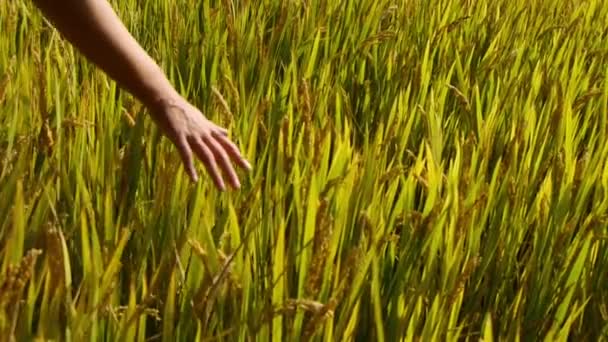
[(422, 171)]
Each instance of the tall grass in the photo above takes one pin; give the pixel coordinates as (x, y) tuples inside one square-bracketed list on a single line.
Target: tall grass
[(423, 170)]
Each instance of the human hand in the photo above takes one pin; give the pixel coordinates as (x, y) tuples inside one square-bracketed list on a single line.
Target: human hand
[(194, 135), (104, 40)]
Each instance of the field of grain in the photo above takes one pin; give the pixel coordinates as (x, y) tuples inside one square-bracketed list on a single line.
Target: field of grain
[(422, 171)]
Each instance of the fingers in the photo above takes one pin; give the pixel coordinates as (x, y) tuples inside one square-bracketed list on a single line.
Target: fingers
[(224, 161), (186, 153), (208, 158), (216, 151), (222, 130), (233, 151)]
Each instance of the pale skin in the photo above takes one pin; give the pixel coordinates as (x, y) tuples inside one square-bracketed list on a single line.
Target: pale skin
[(93, 27)]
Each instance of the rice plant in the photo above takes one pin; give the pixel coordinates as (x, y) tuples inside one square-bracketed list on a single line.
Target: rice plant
[(422, 170)]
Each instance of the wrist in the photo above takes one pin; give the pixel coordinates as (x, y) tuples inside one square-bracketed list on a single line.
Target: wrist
[(156, 89)]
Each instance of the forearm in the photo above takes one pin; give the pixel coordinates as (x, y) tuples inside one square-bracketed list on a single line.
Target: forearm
[(93, 27)]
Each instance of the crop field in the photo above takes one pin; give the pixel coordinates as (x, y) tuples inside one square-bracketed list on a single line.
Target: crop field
[(422, 171)]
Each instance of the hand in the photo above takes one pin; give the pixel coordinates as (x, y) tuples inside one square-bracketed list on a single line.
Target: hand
[(194, 135), (95, 29)]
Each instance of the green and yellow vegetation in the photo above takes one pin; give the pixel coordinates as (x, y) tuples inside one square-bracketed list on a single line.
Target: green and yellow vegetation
[(422, 170)]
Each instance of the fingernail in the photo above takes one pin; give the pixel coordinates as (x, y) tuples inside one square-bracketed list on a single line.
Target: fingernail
[(248, 165)]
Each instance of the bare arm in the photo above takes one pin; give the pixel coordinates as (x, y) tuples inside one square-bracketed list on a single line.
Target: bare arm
[(93, 27)]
